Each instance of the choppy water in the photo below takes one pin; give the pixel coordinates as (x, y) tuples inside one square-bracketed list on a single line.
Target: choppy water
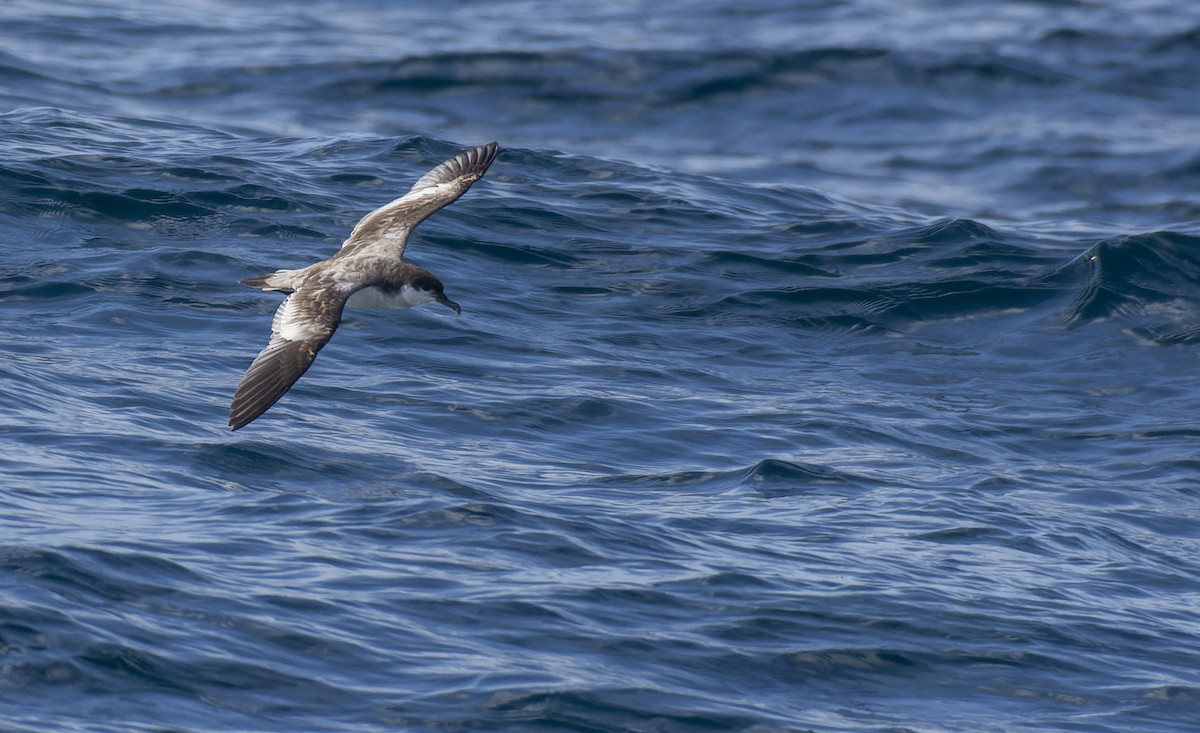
[(822, 367)]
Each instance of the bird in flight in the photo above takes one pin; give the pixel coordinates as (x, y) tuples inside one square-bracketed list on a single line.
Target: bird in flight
[(366, 272)]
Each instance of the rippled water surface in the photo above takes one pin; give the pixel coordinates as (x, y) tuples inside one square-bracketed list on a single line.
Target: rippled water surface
[(823, 366)]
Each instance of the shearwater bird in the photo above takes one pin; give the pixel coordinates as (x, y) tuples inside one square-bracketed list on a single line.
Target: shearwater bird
[(366, 272)]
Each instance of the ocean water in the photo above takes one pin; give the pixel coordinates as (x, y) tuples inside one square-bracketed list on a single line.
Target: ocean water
[(823, 366)]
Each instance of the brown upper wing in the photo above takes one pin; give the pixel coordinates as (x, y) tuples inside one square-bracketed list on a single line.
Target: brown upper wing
[(304, 323), (389, 225)]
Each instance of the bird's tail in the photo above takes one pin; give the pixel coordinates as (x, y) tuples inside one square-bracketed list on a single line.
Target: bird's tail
[(283, 281)]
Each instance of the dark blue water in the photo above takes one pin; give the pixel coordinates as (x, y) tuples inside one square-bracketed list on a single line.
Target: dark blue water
[(823, 366)]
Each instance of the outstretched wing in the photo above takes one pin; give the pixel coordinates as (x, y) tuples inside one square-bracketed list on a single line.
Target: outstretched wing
[(304, 323), (388, 226)]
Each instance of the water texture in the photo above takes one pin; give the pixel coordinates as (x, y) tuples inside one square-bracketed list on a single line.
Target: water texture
[(823, 366)]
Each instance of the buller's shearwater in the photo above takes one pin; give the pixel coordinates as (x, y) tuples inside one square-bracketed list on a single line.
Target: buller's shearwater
[(366, 272)]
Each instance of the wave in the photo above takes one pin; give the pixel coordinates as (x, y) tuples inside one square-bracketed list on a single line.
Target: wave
[(706, 248), (1147, 280), (51, 642), (769, 477)]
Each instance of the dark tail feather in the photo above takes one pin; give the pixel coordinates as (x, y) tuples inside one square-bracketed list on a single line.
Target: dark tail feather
[(260, 282)]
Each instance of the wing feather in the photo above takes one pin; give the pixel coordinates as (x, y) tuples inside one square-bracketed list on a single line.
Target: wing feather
[(391, 224), (304, 323)]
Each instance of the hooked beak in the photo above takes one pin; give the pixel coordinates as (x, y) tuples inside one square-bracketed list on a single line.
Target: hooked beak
[(449, 304)]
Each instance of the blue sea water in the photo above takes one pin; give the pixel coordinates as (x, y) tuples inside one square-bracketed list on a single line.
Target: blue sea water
[(823, 366)]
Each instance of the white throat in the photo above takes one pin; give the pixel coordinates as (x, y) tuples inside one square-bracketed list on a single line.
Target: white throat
[(406, 297)]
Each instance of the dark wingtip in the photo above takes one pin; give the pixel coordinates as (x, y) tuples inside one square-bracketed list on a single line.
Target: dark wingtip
[(236, 421), (470, 164), (480, 158)]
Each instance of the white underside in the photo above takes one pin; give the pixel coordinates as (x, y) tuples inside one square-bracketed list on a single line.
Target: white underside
[(373, 297), (292, 324)]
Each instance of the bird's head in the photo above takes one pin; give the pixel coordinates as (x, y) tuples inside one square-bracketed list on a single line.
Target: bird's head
[(430, 290)]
